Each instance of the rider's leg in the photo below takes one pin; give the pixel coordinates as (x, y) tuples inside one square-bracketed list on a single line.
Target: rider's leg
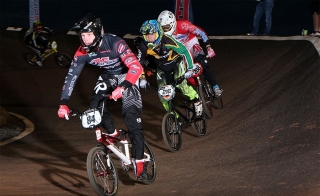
[(36, 50), (43, 42), (186, 89), (163, 79), (103, 87), (208, 74), (131, 111)]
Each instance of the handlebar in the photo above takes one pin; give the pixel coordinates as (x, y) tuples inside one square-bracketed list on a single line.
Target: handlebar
[(74, 112)]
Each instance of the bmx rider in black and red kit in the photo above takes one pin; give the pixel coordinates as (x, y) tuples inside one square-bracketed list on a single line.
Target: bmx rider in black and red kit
[(120, 77)]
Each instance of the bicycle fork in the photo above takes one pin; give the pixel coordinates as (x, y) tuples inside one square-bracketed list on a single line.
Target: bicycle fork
[(105, 139)]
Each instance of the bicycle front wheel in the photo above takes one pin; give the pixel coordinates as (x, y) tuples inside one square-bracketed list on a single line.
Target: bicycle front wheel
[(62, 59), (171, 136), (30, 58), (150, 166), (102, 172), (204, 96)]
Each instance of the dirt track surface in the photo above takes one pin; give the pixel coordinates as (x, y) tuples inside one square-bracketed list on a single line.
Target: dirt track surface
[(266, 141)]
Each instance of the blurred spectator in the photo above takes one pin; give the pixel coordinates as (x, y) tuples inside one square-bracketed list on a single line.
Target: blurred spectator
[(315, 11), (263, 7)]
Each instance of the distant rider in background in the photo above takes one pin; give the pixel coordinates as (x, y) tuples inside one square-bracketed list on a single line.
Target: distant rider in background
[(186, 32), (36, 41)]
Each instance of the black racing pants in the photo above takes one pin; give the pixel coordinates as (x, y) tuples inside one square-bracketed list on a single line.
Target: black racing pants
[(206, 69), (131, 110)]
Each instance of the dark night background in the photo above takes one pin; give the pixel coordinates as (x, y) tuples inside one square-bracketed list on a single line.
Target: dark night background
[(216, 17)]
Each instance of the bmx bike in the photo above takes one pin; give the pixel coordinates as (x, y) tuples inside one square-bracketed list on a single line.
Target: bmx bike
[(101, 169), (61, 59), (175, 120)]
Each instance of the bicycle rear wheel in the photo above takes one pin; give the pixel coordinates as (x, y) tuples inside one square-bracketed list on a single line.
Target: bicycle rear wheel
[(171, 137), (150, 166), (62, 59), (204, 96), (199, 124), (102, 173), (30, 58)]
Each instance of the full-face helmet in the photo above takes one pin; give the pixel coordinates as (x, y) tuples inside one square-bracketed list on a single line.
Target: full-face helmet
[(37, 26), (149, 27), (87, 24), (167, 21)]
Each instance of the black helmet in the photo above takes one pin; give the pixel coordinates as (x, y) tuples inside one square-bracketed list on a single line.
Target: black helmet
[(89, 23)]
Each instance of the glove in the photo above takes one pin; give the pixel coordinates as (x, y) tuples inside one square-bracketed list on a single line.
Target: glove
[(143, 83), (188, 73), (210, 52), (63, 111), (150, 73), (117, 93)]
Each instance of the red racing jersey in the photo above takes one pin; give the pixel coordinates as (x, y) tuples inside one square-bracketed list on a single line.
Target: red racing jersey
[(187, 33)]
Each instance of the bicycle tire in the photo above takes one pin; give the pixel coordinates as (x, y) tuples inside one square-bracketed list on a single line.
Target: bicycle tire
[(102, 172), (200, 126), (30, 58), (205, 101), (150, 166), (62, 59), (171, 137), (218, 102)]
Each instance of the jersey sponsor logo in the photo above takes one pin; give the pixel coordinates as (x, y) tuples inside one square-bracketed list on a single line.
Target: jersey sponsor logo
[(134, 66), (100, 86), (121, 48), (73, 80), (103, 61), (74, 64), (133, 72), (180, 37), (128, 60)]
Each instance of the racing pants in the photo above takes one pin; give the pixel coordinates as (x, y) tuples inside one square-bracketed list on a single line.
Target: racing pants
[(131, 109), (166, 77)]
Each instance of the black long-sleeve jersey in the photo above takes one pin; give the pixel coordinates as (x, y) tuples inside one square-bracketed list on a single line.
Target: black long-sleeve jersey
[(113, 56)]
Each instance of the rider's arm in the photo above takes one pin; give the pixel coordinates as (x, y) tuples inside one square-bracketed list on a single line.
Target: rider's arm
[(189, 27), (142, 54), (130, 60), (180, 49), (34, 40), (73, 75)]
